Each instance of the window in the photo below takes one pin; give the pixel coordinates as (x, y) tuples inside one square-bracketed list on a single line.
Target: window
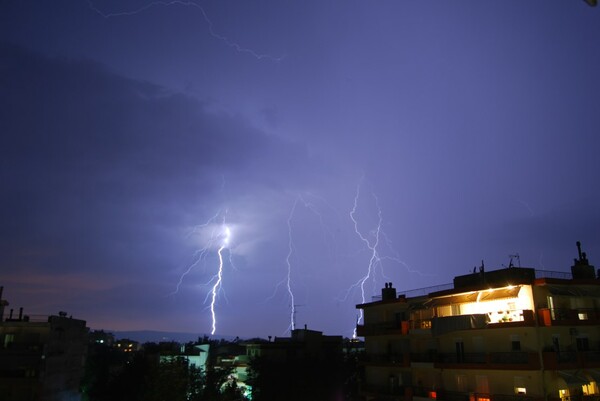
[(583, 344), (482, 384), (8, 339), (590, 388), (460, 350), (519, 382), (515, 343), (555, 342), (461, 383)]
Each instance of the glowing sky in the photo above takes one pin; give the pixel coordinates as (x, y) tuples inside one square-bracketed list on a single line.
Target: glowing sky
[(471, 129)]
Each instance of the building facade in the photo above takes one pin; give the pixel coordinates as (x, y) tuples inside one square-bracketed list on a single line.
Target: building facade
[(41, 358), (509, 334)]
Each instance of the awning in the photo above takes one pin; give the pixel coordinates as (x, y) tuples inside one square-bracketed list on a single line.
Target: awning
[(501, 293), (573, 379), (484, 295), (453, 299), (594, 375)]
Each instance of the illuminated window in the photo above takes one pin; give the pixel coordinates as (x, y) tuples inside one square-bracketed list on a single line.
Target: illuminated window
[(563, 394), (590, 388), (519, 382), (8, 339), (582, 316)]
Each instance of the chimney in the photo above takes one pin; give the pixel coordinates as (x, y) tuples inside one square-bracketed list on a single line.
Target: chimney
[(20, 313), (389, 292), (581, 268)]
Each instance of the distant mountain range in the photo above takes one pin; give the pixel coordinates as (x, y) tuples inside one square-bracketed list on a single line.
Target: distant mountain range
[(144, 336)]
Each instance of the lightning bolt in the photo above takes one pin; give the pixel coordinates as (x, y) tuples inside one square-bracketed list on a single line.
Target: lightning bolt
[(185, 3), (217, 286), (371, 244), (299, 200), (289, 265), (219, 238), (200, 254)]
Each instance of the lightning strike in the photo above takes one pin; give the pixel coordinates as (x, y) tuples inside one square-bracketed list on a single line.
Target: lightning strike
[(200, 254), (185, 3), (289, 266), (287, 280), (217, 286), (219, 238), (371, 245)]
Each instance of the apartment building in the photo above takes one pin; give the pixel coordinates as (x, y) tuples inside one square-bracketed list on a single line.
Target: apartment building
[(503, 335), (41, 357)]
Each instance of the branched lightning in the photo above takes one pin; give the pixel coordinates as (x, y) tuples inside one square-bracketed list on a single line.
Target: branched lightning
[(371, 244), (186, 3), (200, 254), (288, 279), (219, 238), (373, 240)]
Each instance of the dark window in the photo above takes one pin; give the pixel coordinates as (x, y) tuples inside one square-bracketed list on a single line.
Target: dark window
[(583, 344), (515, 345)]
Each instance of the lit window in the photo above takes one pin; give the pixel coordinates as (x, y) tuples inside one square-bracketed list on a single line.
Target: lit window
[(8, 339), (582, 316), (590, 388), (520, 390)]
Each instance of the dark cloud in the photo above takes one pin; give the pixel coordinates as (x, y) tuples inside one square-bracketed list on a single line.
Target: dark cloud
[(98, 170)]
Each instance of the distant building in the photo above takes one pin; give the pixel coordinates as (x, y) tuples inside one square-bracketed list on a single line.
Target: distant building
[(101, 337), (511, 334), (126, 345), (196, 355), (41, 359), (303, 343)]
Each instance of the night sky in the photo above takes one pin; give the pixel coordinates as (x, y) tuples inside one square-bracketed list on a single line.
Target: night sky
[(416, 136)]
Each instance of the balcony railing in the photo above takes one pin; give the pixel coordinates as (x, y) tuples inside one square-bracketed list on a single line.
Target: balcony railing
[(391, 389), (571, 359), (461, 358), (401, 359), (381, 328), (492, 360), (473, 396), (423, 357), (565, 317)]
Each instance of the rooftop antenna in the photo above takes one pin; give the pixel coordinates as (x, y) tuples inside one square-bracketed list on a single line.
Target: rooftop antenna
[(514, 256), (294, 316)]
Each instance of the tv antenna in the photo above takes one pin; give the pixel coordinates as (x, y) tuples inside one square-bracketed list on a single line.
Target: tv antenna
[(514, 256)]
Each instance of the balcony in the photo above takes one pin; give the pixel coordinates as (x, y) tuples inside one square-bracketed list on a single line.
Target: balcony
[(383, 328), (395, 359), (571, 359), (472, 396), (492, 360), (384, 391), (568, 317)]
